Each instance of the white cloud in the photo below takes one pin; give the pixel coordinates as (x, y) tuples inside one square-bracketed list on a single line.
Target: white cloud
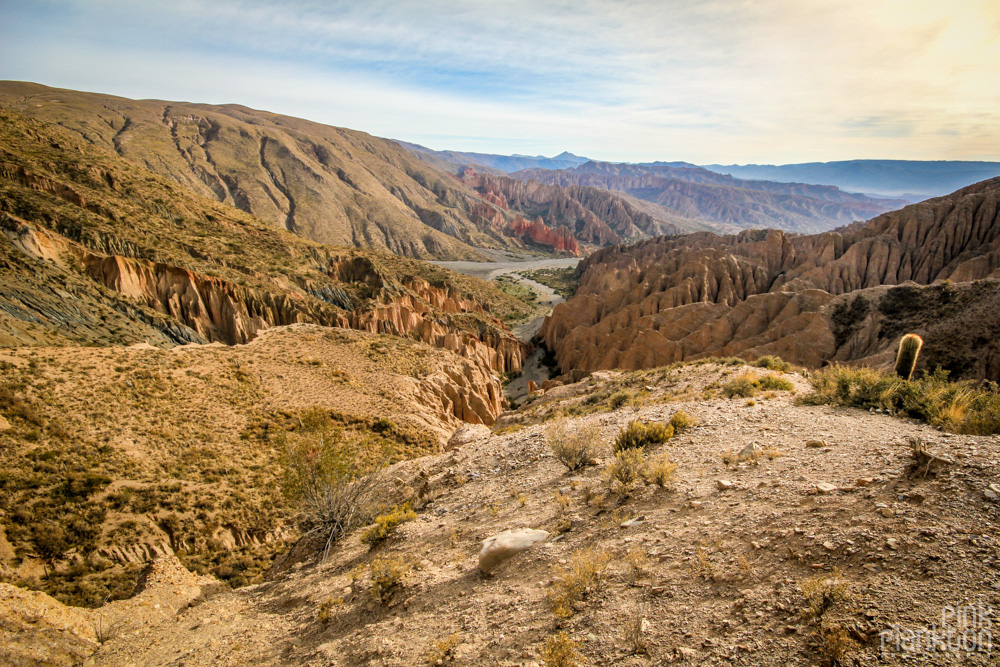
[(717, 81)]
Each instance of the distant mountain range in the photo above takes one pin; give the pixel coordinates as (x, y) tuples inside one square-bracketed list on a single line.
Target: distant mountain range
[(726, 202), (504, 163), (907, 179)]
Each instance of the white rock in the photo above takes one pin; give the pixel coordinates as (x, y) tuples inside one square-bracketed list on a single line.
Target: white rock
[(504, 546), (825, 487), (723, 484)]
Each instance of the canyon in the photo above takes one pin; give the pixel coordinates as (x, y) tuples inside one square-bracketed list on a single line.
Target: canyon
[(839, 295)]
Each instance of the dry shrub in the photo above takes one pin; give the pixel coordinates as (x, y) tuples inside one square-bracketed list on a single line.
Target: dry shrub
[(561, 651), (773, 363), (962, 407), (387, 577), (660, 470), (583, 575), (624, 470), (682, 421), (442, 651), (574, 448), (386, 524), (822, 592), (638, 434)]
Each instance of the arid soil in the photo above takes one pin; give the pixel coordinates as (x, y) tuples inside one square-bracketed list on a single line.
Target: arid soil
[(800, 554)]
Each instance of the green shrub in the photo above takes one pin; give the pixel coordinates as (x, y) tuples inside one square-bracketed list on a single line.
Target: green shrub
[(639, 434), (774, 382), (773, 363), (744, 386), (386, 524), (962, 407)]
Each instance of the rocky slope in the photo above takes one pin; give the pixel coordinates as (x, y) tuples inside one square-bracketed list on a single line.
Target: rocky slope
[(800, 553), (194, 270), (809, 299), (695, 193)]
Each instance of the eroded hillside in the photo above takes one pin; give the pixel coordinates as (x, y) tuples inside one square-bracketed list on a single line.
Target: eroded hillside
[(846, 295), (110, 456), (773, 534), (98, 250)]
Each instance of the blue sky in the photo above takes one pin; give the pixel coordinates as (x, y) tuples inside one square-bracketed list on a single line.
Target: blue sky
[(631, 80)]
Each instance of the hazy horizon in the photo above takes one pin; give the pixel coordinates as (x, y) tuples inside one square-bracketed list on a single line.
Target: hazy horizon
[(721, 82)]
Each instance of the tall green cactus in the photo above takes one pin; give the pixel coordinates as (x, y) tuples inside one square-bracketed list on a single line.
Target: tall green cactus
[(906, 358)]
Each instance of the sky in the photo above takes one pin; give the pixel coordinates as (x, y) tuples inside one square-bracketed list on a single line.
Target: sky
[(712, 81)]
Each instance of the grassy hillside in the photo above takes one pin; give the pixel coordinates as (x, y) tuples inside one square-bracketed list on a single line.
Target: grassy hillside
[(328, 184)]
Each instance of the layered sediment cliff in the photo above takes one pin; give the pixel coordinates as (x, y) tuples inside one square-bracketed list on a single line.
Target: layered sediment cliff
[(767, 292)]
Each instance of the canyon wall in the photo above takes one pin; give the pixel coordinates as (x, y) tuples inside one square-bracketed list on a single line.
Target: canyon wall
[(767, 292)]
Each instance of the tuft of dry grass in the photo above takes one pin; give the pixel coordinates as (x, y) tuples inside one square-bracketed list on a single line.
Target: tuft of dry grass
[(442, 651), (386, 577), (624, 471), (660, 470), (682, 421), (561, 651), (574, 448), (639, 434), (581, 576), (386, 524), (961, 407)]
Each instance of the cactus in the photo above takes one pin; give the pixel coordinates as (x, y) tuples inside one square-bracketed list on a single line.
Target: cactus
[(906, 358)]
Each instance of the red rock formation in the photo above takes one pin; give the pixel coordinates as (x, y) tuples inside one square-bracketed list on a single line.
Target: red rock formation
[(559, 239), (757, 293)]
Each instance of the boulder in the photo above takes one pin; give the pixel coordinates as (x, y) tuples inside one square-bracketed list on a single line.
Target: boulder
[(504, 546)]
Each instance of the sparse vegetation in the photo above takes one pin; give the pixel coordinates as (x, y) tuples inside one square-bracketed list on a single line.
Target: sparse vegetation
[(773, 363), (583, 575), (386, 577), (561, 651), (574, 448), (747, 385), (562, 281), (682, 421), (442, 651), (822, 591), (639, 434), (386, 524), (962, 407)]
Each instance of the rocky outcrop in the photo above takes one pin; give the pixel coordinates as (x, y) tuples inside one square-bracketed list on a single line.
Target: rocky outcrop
[(765, 292), (588, 214), (218, 310), (560, 239)]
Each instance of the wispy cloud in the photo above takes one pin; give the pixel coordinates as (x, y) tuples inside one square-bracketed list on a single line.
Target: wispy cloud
[(715, 81)]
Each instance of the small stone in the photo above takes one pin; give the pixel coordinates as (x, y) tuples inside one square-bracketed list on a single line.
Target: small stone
[(887, 513), (815, 444), (695, 504), (829, 546), (892, 543), (750, 453), (723, 484), (865, 481), (825, 487), (992, 491), (686, 653), (4, 424), (790, 629), (632, 522)]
